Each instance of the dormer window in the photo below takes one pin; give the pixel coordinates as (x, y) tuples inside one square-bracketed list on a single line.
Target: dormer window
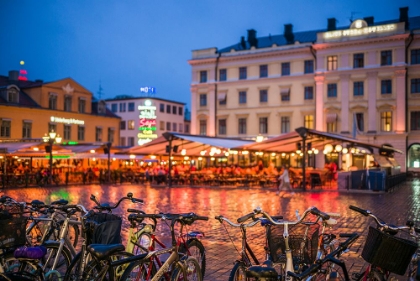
[(101, 108), (12, 95)]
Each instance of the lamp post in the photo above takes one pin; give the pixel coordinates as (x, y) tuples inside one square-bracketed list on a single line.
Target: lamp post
[(51, 138)]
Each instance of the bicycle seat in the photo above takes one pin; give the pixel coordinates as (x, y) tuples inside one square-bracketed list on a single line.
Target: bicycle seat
[(257, 271), (33, 253), (101, 251)]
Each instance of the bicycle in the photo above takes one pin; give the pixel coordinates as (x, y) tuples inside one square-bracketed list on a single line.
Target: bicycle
[(386, 253), (247, 256), (142, 238)]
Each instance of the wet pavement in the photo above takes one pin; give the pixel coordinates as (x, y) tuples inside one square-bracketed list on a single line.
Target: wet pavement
[(222, 242)]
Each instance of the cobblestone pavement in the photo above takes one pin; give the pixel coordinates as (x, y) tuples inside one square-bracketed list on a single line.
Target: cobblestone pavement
[(395, 207)]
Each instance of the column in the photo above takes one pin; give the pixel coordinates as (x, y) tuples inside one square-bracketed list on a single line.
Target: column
[(319, 103), (211, 105), (372, 96), (344, 79), (193, 127), (399, 120)]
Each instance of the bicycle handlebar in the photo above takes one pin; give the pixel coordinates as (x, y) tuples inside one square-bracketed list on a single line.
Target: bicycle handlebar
[(246, 217), (250, 224), (312, 210), (107, 207)]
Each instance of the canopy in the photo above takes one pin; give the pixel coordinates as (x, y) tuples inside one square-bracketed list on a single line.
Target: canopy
[(11, 147), (193, 145)]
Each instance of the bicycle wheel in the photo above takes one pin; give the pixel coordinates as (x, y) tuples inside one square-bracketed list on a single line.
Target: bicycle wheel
[(139, 270), (192, 271), (63, 262), (143, 243), (238, 272), (73, 271), (196, 250)]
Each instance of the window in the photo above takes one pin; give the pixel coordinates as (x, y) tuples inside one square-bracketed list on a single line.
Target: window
[(203, 76), (174, 127), (242, 73), (26, 130), (415, 56), (309, 66), (67, 103), (263, 127), (173, 109), (309, 93), (162, 125), (181, 127), (52, 101), (309, 121), (187, 128), (131, 106), (358, 61), (285, 94), (263, 96), (285, 124), (332, 90), (67, 132), (222, 74), (80, 133), (168, 126), (168, 108), (130, 124), (360, 122), (130, 141), (332, 63), (203, 100), (114, 107), (180, 111), (111, 135), (5, 128), (386, 57), (222, 126), (386, 121), (122, 125), (122, 107), (358, 89), (98, 134), (242, 126), (203, 127), (242, 97), (263, 71), (161, 107), (386, 86), (82, 105), (222, 98), (101, 107), (415, 120), (52, 127), (12, 95), (331, 122), (415, 86), (122, 141), (285, 68)]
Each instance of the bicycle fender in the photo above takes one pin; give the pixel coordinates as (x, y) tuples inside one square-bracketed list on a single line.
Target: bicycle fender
[(195, 234)]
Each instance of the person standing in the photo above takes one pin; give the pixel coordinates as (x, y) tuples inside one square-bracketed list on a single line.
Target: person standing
[(284, 182)]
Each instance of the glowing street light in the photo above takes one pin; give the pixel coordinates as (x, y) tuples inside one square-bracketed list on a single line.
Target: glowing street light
[(51, 138)]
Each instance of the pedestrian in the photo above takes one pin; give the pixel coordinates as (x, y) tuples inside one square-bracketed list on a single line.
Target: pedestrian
[(284, 182)]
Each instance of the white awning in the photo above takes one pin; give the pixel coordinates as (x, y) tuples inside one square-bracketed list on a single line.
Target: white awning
[(331, 117), (221, 96), (284, 91)]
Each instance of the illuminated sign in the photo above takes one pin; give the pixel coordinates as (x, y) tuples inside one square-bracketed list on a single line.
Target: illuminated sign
[(148, 91), (67, 120), (359, 28), (147, 122)]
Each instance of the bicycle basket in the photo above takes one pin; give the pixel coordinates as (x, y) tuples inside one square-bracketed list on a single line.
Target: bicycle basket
[(388, 252), (13, 232), (303, 246), (103, 228), (11, 210)]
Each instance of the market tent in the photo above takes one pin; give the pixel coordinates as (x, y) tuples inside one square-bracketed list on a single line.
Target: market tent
[(194, 145)]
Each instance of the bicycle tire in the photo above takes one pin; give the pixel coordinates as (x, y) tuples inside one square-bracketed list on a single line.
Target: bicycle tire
[(372, 275), (197, 250), (192, 269), (136, 269), (73, 267), (238, 272), (144, 241), (63, 263), (94, 267)]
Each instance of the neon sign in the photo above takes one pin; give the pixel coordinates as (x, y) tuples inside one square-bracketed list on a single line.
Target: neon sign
[(359, 29), (147, 122), (67, 120)]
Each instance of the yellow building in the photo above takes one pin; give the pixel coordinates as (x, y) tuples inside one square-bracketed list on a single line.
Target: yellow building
[(30, 109)]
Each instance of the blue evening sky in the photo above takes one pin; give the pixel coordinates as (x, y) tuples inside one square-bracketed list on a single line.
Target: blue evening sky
[(127, 44)]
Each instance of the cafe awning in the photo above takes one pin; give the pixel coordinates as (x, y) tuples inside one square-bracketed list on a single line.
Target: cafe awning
[(12, 147)]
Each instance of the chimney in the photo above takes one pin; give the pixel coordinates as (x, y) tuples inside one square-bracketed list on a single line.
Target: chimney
[(404, 16), (243, 43), (369, 21), (252, 38), (331, 24), (288, 33), (13, 76)]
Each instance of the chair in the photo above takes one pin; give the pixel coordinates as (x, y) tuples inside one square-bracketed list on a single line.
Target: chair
[(315, 180)]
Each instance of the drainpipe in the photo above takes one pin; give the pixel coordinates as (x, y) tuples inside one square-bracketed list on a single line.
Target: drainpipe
[(406, 98), (215, 93)]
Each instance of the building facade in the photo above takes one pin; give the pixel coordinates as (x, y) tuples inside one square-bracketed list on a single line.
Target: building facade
[(360, 80), (146, 118), (31, 109)]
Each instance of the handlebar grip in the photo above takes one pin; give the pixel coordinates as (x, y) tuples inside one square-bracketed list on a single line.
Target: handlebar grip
[(359, 210), (202, 218), (318, 213), (93, 198), (135, 211), (276, 218), (219, 218), (245, 218), (136, 200)]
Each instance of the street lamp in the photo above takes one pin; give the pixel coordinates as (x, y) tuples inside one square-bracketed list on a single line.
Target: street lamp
[(51, 138)]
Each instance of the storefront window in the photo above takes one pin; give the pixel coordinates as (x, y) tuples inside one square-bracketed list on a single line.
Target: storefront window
[(414, 156)]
